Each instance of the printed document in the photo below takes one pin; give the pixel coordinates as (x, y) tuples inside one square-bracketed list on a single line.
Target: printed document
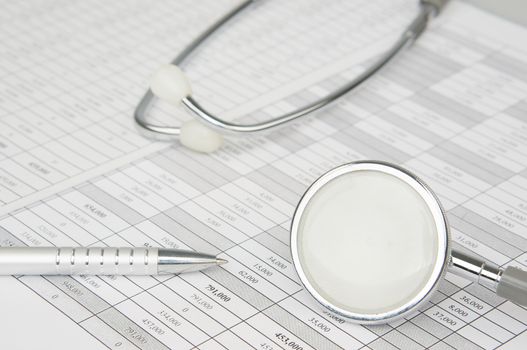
[(75, 171)]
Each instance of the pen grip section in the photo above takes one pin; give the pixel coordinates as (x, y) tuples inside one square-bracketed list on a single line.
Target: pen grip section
[(78, 261), (106, 261)]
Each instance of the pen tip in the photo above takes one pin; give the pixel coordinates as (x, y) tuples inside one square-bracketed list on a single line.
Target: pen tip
[(220, 261)]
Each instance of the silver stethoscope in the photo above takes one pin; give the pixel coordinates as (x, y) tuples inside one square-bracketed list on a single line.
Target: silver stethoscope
[(170, 84), (369, 240)]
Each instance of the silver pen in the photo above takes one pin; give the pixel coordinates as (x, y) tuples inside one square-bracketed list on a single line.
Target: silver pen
[(102, 261)]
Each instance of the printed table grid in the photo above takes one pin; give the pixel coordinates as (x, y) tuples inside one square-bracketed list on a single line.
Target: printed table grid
[(241, 204)]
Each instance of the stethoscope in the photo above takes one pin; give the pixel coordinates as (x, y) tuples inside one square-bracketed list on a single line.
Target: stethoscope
[(170, 84), (370, 242)]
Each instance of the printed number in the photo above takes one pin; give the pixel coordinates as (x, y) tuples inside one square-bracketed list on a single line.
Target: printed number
[(266, 346), (254, 203), (442, 317), (213, 222), (263, 269), (515, 215), (247, 276), (333, 317), (285, 339), (320, 325), (168, 316), (266, 197), (471, 302), (153, 327), (133, 334), (277, 263), (467, 242), (220, 295), (201, 302), (503, 221), (458, 310)]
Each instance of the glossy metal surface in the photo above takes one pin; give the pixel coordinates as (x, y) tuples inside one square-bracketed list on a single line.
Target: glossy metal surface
[(101, 261), (174, 261), (475, 269), (412, 32), (78, 261), (160, 131)]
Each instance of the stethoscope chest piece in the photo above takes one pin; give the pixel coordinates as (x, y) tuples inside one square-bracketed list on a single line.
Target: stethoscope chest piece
[(370, 242)]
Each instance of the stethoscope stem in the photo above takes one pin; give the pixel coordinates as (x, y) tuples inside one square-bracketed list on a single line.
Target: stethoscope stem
[(475, 269), (509, 283)]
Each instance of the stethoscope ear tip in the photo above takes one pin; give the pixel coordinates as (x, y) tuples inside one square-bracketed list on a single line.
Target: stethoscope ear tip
[(198, 137), (170, 84)]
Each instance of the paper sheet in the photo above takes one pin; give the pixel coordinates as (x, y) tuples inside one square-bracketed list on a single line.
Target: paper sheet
[(452, 109)]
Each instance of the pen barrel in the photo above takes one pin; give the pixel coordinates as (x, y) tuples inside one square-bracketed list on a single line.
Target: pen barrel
[(78, 261)]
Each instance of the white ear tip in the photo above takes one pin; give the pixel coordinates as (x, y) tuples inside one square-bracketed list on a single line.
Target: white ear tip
[(170, 84), (198, 137)]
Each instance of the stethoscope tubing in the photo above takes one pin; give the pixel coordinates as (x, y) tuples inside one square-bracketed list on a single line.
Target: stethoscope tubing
[(412, 32)]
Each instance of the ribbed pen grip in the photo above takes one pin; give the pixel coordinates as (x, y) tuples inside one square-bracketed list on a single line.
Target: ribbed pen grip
[(78, 261)]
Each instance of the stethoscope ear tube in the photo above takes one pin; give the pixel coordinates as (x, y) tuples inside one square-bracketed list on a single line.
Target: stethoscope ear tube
[(427, 9)]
